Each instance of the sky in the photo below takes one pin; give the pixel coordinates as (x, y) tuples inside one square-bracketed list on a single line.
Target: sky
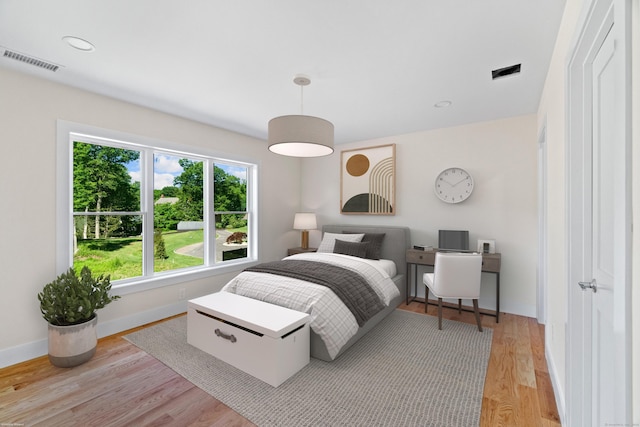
[(166, 168)]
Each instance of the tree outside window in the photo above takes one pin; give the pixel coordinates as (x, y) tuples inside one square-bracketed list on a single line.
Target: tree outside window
[(110, 219)]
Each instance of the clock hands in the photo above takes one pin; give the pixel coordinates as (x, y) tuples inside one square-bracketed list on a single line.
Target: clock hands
[(453, 185), (463, 179)]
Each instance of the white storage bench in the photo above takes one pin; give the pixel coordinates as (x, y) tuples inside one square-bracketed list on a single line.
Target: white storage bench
[(264, 340)]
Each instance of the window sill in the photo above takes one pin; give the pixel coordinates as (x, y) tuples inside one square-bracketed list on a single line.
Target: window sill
[(141, 284)]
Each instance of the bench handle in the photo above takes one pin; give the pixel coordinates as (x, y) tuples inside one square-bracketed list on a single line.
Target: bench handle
[(221, 334)]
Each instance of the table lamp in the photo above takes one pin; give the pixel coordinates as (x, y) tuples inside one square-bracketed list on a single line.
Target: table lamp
[(305, 221)]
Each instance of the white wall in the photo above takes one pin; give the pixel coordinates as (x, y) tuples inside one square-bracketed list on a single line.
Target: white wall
[(502, 158), (29, 108)]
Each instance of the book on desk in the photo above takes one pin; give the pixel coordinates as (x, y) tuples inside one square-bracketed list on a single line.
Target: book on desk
[(423, 247)]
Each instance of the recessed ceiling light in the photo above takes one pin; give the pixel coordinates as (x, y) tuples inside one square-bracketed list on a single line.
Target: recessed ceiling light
[(442, 104), (78, 43)]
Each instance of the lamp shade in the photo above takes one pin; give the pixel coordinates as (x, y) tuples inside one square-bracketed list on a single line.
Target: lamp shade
[(300, 136), (305, 221)]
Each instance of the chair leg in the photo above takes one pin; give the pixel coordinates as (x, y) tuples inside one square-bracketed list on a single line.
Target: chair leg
[(476, 311), (426, 298), (459, 306), (440, 313)]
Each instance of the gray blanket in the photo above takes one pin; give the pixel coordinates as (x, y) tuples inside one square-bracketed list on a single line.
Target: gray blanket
[(352, 289)]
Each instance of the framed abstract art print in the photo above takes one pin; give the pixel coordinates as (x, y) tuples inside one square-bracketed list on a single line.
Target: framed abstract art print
[(368, 180)]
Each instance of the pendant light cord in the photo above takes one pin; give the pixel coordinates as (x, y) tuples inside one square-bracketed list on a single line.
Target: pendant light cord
[(302, 81)]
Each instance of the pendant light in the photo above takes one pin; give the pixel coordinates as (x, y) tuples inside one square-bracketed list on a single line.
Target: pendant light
[(300, 135)]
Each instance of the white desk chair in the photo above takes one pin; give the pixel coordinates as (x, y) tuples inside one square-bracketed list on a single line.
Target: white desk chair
[(455, 275)]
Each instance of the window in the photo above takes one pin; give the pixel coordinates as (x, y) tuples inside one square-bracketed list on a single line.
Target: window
[(146, 212), (178, 215)]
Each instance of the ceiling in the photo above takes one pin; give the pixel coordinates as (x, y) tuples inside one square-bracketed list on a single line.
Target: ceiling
[(377, 67)]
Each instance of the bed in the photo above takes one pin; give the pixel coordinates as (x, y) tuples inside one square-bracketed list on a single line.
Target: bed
[(334, 327)]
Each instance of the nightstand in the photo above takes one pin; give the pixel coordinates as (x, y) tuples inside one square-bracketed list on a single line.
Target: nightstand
[(299, 250)]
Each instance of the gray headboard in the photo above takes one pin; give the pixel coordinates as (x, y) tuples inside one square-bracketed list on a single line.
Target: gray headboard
[(394, 246)]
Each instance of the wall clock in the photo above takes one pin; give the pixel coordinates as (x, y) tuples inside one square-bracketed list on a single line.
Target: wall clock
[(453, 185)]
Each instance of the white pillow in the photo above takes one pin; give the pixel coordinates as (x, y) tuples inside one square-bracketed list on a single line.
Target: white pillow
[(329, 240)]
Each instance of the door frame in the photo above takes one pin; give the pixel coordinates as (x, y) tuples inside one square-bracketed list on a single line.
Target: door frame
[(578, 361), (541, 305)]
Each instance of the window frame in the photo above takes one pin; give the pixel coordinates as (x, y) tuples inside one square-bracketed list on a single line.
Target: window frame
[(68, 132)]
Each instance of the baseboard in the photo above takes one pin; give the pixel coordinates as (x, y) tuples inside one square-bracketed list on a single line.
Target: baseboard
[(526, 310), (21, 353), (558, 392), (122, 324), (24, 352), (489, 303)]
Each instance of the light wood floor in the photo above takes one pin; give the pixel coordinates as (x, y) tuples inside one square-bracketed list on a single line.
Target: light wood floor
[(122, 385)]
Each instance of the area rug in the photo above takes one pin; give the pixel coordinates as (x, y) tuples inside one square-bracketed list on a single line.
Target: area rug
[(405, 372)]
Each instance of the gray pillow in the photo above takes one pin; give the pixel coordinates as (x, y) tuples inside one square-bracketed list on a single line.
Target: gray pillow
[(328, 239), (374, 251), (357, 249)]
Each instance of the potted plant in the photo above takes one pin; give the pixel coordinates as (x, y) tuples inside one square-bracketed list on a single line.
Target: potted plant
[(69, 305)]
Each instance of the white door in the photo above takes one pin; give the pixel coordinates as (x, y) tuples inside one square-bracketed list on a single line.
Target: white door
[(608, 309), (599, 386)]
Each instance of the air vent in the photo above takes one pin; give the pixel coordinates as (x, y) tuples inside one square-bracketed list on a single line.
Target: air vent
[(30, 60), (506, 71)]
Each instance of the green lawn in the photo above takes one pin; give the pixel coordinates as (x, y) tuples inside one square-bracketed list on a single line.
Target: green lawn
[(122, 257), (174, 240)]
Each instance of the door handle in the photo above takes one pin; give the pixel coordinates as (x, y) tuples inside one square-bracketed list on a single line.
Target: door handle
[(589, 285)]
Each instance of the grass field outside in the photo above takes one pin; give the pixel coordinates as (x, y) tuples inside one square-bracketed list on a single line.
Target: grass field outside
[(122, 257)]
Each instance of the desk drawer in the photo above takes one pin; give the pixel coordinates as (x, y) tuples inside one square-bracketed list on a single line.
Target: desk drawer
[(421, 257), (491, 263)]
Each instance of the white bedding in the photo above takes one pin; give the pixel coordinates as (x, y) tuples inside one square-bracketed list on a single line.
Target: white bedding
[(330, 318)]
